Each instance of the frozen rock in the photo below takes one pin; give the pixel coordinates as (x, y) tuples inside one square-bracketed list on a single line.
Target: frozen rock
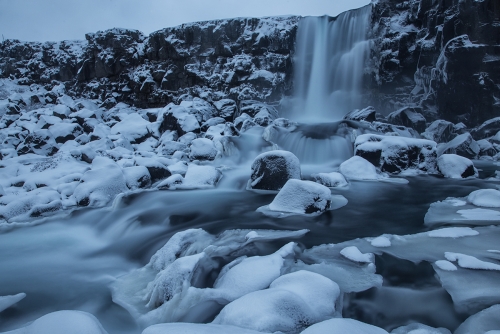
[(343, 326), (227, 108), (8, 301), (440, 131), (463, 145), (133, 126), (456, 167), (177, 118), (212, 122), (179, 167), (332, 180), (188, 328), (486, 149), (65, 131), (40, 142), (303, 197), (271, 170), (486, 321), (202, 149), (63, 322), (101, 184), (395, 154), (487, 129), (169, 147), (358, 168), (292, 302), (408, 117), (173, 182), (157, 167), (137, 177), (488, 198), (252, 108), (394, 130), (417, 328), (367, 114), (201, 176)]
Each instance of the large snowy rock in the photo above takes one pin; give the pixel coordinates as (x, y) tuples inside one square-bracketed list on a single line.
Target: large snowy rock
[(303, 197), (137, 177), (40, 142), (463, 145), (309, 298), (358, 168), (395, 154), (489, 198), (201, 177), (133, 126), (332, 180), (271, 170), (202, 149), (177, 118), (63, 322), (101, 184), (226, 108), (65, 131), (455, 166), (487, 129)]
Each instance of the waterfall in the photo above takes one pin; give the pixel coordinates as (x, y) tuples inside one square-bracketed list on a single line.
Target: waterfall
[(329, 65)]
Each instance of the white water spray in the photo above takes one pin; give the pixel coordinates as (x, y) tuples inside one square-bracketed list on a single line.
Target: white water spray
[(329, 65)]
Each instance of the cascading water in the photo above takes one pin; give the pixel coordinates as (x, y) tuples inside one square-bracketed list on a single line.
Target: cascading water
[(329, 68), (329, 65)]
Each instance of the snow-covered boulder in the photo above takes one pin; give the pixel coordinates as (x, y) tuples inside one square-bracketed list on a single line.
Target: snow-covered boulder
[(226, 108), (417, 328), (463, 145), (177, 118), (137, 177), (303, 197), (201, 176), (394, 130), (358, 168), (489, 198), (132, 126), (63, 322), (157, 167), (171, 183), (440, 131), (343, 326), (65, 131), (367, 114), (202, 149), (271, 170), (409, 117), (40, 142), (311, 296), (487, 129), (456, 167), (396, 154), (486, 148), (101, 184), (332, 180)]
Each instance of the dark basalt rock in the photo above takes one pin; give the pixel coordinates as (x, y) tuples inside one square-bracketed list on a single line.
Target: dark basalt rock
[(409, 117), (463, 145), (440, 131), (367, 114), (39, 142), (271, 170)]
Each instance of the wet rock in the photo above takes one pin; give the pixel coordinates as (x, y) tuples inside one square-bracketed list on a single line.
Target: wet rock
[(271, 170), (463, 145), (367, 114), (395, 154)]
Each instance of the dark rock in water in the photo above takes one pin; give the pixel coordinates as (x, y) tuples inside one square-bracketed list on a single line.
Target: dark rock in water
[(271, 170), (440, 131), (303, 197), (487, 129), (394, 154), (137, 177), (40, 142), (367, 114), (409, 117), (463, 145)]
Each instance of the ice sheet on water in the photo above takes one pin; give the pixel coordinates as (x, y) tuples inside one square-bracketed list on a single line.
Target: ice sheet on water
[(63, 322), (188, 328), (453, 232), (343, 326), (352, 253), (489, 198), (8, 301)]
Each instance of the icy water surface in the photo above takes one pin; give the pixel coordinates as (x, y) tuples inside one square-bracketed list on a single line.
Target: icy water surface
[(70, 262)]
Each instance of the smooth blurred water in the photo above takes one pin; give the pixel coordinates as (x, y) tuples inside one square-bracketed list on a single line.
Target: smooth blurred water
[(70, 262)]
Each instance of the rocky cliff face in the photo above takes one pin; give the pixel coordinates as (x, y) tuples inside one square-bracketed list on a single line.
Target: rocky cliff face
[(440, 55), (238, 58)]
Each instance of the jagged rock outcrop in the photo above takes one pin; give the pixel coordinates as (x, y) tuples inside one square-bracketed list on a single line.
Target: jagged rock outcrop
[(239, 59), (441, 55)]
